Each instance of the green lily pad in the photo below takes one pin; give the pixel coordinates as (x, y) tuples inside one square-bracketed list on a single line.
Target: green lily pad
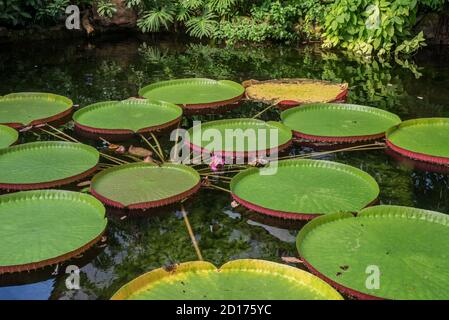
[(245, 279), (145, 185), (45, 164), (40, 228), (133, 115), (8, 136), (247, 131), (335, 121), (32, 108), (194, 91), (387, 252), (304, 189), (420, 138)]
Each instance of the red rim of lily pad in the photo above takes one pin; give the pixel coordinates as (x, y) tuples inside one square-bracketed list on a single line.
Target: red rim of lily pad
[(53, 119), (417, 155), (339, 287), (413, 154), (352, 139), (237, 154), (121, 134), (61, 258), (201, 108), (53, 183), (50, 184), (373, 123), (147, 205), (142, 205), (53, 261), (285, 143), (282, 214), (212, 107), (290, 215), (416, 164), (287, 104)]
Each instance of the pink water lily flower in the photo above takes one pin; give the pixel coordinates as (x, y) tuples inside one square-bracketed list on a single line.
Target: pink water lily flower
[(216, 162)]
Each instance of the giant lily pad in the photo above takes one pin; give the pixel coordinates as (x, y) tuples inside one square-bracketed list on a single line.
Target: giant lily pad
[(239, 137), (32, 108), (196, 93), (145, 185), (304, 189), (383, 252), (245, 279), (338, 123), (45, 227), (421, 139), (45, 164), (287, 93), (8, 136), (127, 117)]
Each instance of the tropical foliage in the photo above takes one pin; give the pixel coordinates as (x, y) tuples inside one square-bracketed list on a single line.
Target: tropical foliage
[(364, 27)]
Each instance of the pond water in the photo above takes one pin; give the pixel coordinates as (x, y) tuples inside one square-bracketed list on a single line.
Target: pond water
[(99, 70)]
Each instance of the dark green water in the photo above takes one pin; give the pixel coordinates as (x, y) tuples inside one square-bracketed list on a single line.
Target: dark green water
[(96, 71)]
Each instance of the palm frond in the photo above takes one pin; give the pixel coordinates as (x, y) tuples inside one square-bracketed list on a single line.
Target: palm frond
[(202, 26), (154, 19)]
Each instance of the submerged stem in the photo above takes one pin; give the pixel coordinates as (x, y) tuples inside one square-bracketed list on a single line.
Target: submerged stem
[(54, 135), (218, 188), (152, 147), (158, 146), (191, 234), (265, 110), (63, 133), (374, 146)]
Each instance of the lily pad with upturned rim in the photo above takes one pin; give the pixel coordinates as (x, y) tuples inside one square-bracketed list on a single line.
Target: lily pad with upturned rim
[(8, 136), (245, 279), (288, 93), (338, 123), (145, 185), (195, 93), (245, 128), (407, 249), (424, 139), (46, 227), (127, 117), (49, 164), (23, 109), (304, 189)]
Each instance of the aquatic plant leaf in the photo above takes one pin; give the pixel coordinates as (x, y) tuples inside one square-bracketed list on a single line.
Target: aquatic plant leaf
[(246, 130), (245, 279), (337, 121), (31, 108), (194, 91), (423, 139), (139, 152), (8, 136), (134, 115), (407, 249), (304, 189), (44, 164), (295, 90), (145, 185), (39, 228)]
